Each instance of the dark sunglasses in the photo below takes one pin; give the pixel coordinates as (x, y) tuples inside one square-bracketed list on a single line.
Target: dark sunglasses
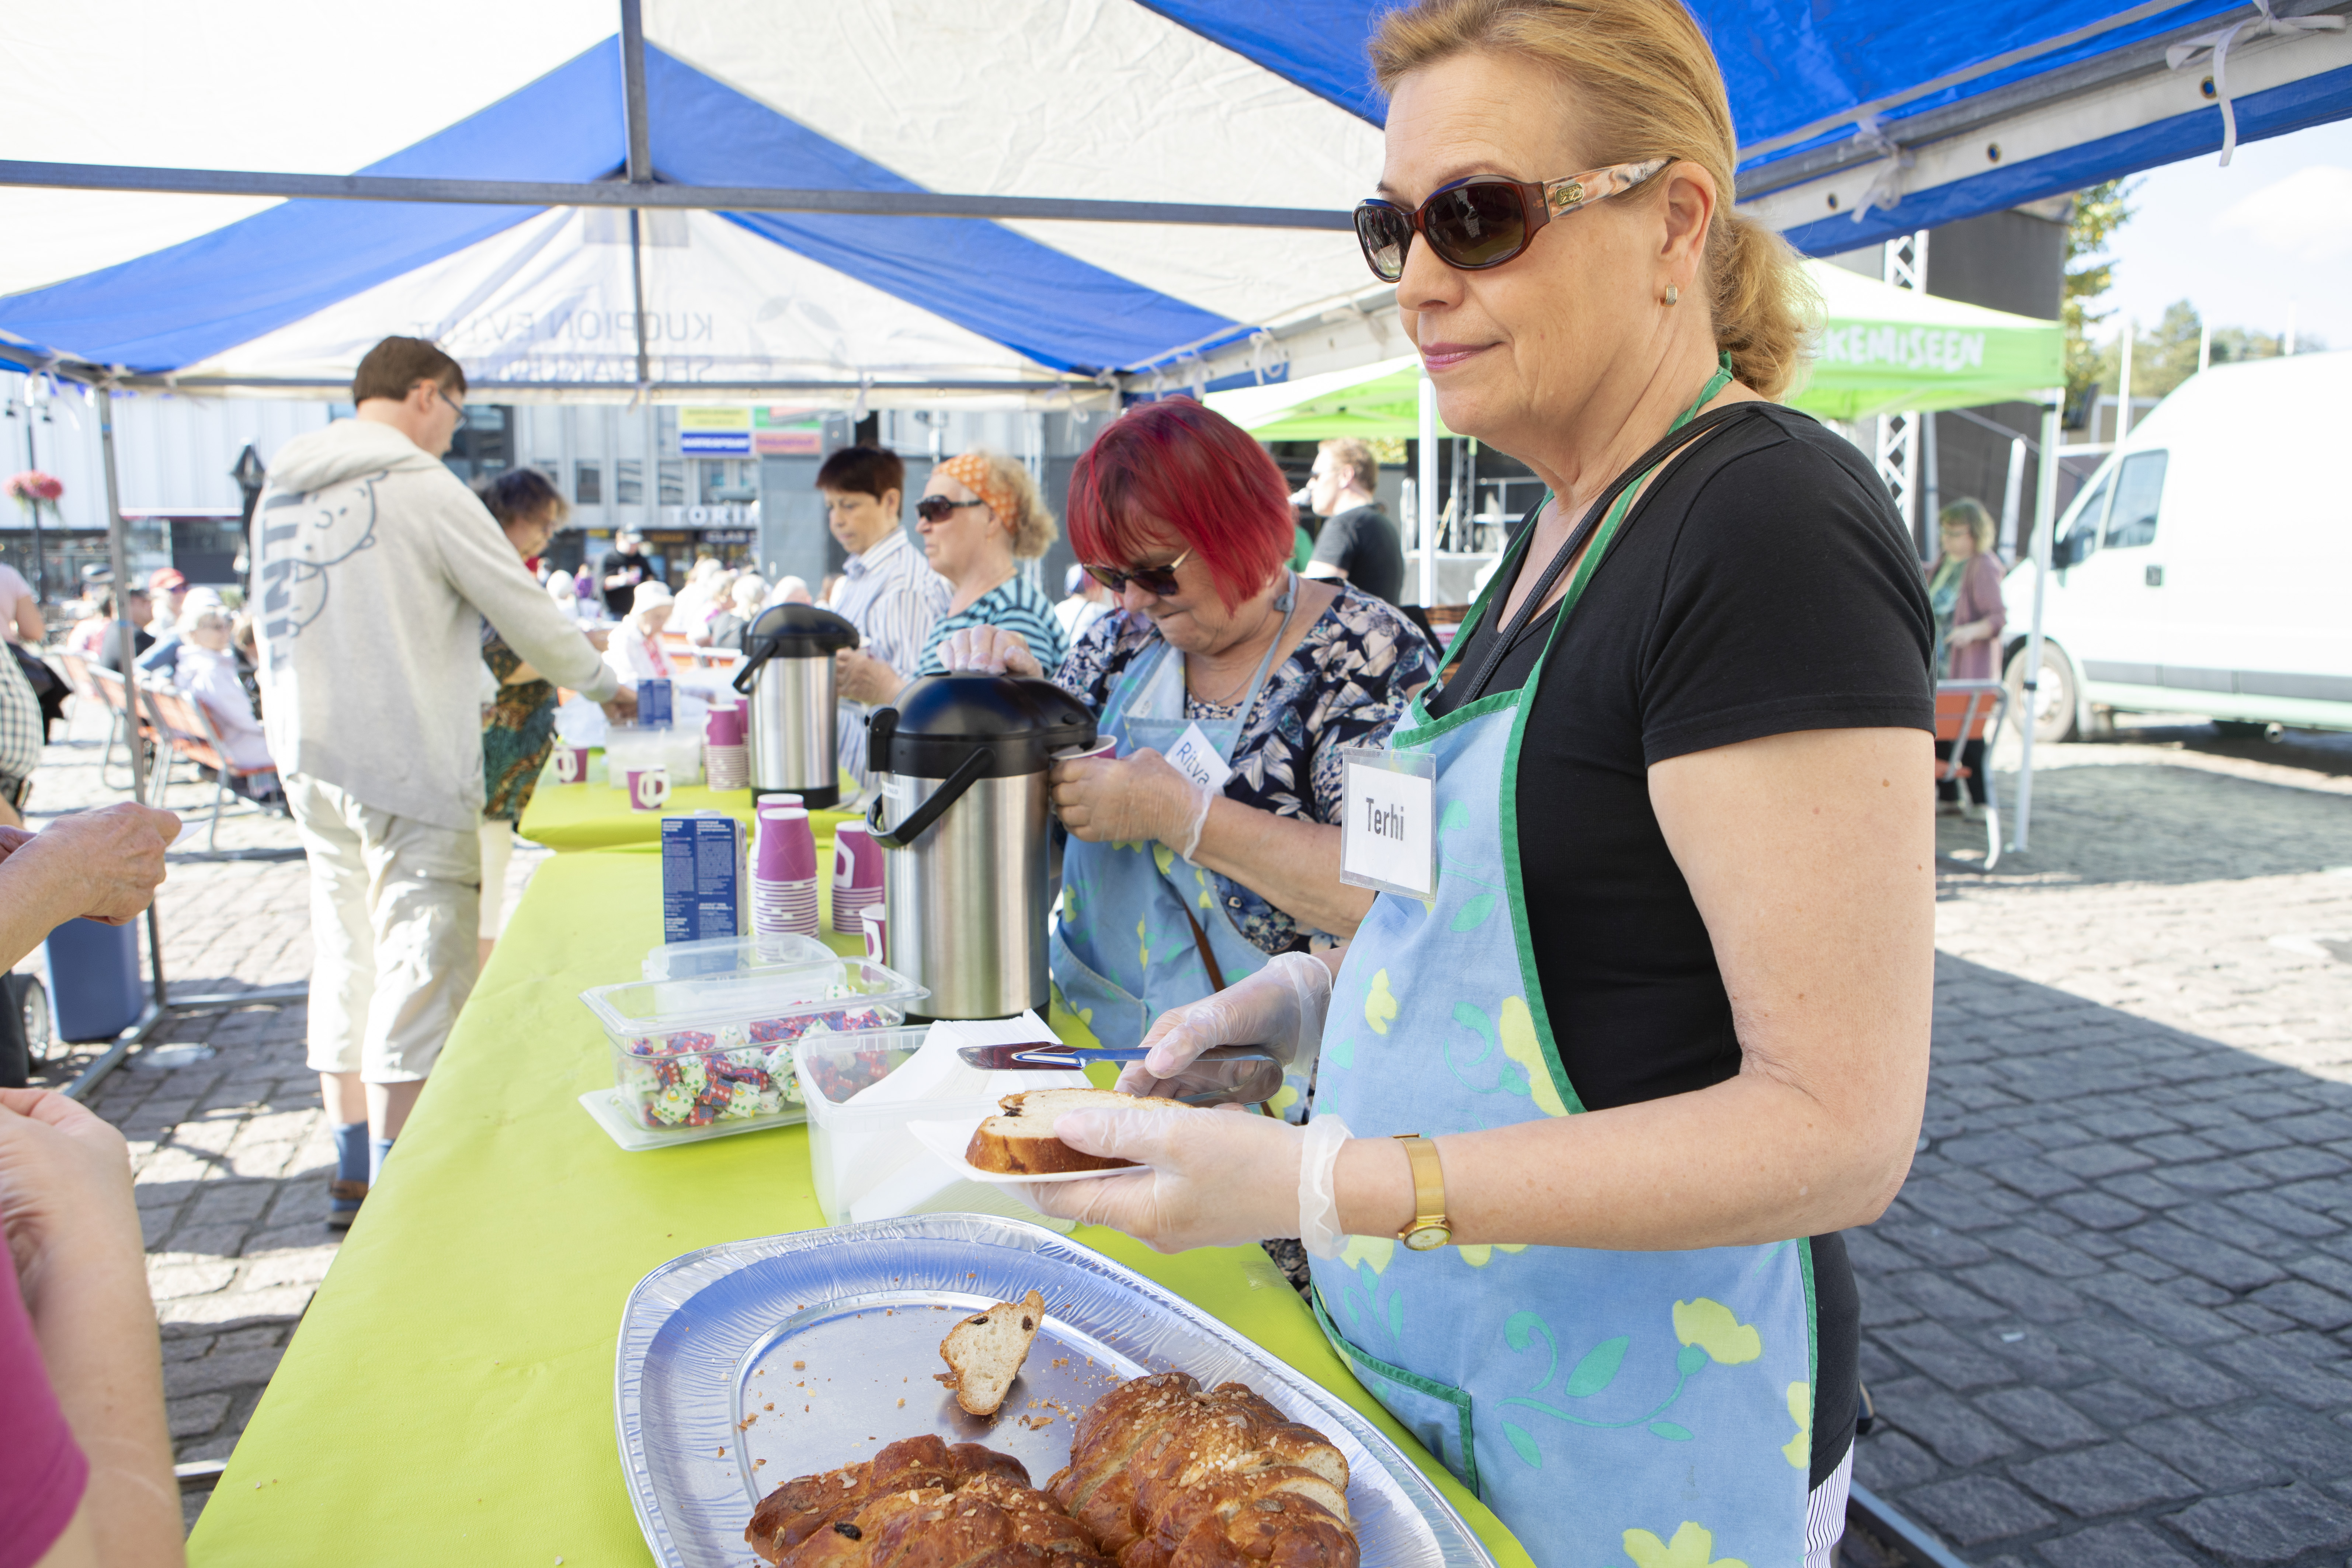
[(1484, 220), (938, 509), (1160, 582)]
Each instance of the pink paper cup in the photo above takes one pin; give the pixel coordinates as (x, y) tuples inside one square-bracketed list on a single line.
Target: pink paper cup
[(648, 788), (878, 935), (857, 859), (571, 765), (785, 850)]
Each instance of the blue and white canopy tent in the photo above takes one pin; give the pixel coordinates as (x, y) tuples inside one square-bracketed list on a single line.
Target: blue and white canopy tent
[(1021, 202)]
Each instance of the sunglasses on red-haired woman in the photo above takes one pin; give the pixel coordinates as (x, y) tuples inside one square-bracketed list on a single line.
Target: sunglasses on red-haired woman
[(1160, 582)]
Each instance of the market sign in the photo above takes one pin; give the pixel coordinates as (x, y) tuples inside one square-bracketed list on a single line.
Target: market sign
[(714, 432), (787, 433), (1883, 350)]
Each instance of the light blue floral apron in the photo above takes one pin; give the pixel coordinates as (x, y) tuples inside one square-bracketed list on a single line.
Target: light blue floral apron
[(1650, 1407), (1123, 949)]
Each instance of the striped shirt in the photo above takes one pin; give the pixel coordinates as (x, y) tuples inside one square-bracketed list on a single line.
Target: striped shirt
[(1017, 605), (893, 597)]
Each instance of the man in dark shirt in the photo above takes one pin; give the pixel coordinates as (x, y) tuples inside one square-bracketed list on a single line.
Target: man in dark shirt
[(620, 572), (1359, 544)]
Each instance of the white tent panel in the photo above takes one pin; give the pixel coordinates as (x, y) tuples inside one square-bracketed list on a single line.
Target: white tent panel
[(280, 85), (1192, 121)]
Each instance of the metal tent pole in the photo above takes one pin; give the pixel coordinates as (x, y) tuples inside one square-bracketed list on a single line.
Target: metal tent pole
[(2010, 490), (1427, 489), (2045, 509), (118, 549), (640, 164)]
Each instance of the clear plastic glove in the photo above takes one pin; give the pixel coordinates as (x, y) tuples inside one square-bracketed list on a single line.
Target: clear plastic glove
[(1282, 1007), (1132, 799), (992, 650), (1218, 1178)]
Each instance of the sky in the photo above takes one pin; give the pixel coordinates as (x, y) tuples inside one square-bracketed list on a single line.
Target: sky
[(2270, 233)]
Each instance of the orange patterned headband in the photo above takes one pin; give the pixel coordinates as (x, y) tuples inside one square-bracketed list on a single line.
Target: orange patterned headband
[(975, 473)]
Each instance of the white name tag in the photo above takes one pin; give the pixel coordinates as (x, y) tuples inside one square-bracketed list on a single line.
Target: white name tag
[(1389, 823), (1194, 756)]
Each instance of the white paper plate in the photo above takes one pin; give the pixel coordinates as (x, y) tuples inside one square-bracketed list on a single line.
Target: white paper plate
[(949, 1140)]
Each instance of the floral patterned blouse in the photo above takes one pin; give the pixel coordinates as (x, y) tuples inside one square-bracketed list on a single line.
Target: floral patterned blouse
[(1346, 684), (517, 733)]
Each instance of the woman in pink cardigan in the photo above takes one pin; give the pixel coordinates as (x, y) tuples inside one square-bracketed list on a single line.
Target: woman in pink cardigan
[(1964, 587)]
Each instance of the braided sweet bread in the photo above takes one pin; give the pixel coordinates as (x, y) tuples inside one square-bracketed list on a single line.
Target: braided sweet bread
[(1166, 1475), (837, 1519)]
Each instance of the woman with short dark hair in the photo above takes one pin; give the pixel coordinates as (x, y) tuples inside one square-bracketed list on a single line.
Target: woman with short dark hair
[(1220, 650)]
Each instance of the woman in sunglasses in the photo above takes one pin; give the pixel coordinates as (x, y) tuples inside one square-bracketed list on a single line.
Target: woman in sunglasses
[(1592, 1109), (1208, 845)]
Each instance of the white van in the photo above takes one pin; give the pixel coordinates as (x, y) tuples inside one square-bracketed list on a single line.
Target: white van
[(2207, 567)]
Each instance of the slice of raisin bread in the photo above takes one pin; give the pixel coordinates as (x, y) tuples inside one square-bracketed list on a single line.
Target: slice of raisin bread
[(984, 1351), (1021, 1142)]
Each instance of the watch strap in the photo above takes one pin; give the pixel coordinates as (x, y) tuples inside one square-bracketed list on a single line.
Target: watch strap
[(1428, 1185)]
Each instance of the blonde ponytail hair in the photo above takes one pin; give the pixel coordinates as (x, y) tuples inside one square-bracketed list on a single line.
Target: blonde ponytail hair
[(1650, 88)]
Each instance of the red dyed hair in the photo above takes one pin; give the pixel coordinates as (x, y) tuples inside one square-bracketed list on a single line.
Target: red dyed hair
[(1176, 466)]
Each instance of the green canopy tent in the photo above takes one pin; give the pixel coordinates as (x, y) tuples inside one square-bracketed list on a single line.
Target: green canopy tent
[(1881, 350)]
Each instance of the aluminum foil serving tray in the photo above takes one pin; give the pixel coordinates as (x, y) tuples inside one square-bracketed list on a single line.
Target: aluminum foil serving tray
[(744, 1366)]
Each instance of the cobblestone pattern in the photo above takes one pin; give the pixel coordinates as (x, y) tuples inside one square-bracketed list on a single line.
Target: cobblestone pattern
[(230, 1147), (2109, 1321)]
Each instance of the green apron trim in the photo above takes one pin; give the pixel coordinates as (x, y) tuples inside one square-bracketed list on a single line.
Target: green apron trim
[(1350, 1351), (1514, 862), (1406, 740), (1812, 1320)]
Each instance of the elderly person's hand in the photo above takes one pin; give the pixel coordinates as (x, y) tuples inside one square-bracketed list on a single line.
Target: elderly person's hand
[(623, 708), (1218, 1178), (110, 859), (1282, 1007), (1128, 800), (11, 838), (862, 678), (992, 650), (65, 1177)]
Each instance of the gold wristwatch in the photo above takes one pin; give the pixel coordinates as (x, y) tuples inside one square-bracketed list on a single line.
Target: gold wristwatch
[(1429, 1229)]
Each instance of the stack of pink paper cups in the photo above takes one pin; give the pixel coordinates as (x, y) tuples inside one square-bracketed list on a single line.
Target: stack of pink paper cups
[(856, 877), (726, 757), (783, 872)]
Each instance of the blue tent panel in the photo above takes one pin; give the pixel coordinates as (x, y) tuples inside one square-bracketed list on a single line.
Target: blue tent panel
[(1317, 44), (2311, 102), (1052, 307), (183, 304)]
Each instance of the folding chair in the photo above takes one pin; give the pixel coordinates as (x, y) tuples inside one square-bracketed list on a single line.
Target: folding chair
[(76, 670), (1973, 710), (183, 721), (117, 698)]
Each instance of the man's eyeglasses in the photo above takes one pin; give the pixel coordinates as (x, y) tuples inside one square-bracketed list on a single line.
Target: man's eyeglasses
[(938, 509), (1160, 582), (1484, 220), (456, 406)]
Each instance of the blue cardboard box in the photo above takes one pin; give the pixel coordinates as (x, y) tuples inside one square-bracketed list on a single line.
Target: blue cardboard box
[(706, 878)]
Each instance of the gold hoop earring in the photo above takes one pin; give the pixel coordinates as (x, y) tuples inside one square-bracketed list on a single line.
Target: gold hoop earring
[(1672, 294)]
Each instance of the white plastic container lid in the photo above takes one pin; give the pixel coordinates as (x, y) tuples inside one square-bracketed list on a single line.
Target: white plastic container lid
[(725, 956), (640, 1007)]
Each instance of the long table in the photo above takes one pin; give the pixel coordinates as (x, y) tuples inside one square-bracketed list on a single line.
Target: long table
[(448, 1398), (595, 815)]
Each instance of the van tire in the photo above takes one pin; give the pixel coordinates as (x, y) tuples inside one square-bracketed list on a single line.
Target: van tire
[(2059, 699)]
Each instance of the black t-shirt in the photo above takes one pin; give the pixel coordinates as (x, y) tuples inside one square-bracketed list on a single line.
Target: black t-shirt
[(617, 600), (1763, 585), (1362, 543)]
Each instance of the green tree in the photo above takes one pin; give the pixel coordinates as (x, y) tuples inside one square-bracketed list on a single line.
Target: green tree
[(2165, 357), (2099, 211)]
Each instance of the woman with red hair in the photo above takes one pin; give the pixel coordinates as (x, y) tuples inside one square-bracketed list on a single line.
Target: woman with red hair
[(1210, 843)]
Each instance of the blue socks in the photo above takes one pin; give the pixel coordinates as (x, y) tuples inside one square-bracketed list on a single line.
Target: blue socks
[(378, 1148), (351, 1152)]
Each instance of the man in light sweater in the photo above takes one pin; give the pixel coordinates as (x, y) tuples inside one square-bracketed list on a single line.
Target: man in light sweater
[(376, 568)]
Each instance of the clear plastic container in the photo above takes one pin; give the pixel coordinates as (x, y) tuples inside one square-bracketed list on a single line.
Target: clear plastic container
[(676, 748), (724, 955), (690, 1053), (853, 1147)]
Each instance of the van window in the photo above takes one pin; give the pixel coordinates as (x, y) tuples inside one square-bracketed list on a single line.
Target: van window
[(2082, 536), (2139, 490)]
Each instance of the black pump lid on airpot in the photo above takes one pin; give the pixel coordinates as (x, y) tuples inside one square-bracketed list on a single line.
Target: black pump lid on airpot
[(797, 631), (936, 723)]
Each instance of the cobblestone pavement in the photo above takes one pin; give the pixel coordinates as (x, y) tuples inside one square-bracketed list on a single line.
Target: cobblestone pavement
[(231, 1149), (2109, 1321)]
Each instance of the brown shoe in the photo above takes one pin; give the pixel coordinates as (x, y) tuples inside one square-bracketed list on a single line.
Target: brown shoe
[(341, 1192)]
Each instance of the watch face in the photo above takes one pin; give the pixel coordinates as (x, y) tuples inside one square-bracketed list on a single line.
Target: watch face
[(1428, 1238)]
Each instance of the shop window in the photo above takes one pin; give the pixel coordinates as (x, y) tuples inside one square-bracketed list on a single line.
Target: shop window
[(2082, 536), (588, 484), (484, 446), (629, 482), (673, 483)]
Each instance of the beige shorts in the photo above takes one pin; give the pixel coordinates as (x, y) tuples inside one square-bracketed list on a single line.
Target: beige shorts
[(394, 906)]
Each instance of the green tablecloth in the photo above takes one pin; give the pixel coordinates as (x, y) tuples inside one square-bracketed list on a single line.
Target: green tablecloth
[(448, 1398), (595, 815)]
